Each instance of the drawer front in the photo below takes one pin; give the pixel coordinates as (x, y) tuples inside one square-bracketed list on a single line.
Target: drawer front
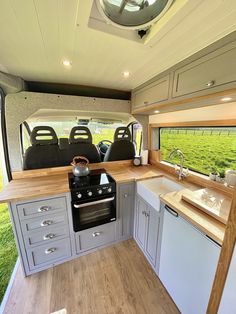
[(49, 253), (43, 222), (46, 235), (215, 69), (155, 92), (40, 208), (95, 237)]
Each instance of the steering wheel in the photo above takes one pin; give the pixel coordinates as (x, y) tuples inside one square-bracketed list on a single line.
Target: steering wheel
[(103, 146)]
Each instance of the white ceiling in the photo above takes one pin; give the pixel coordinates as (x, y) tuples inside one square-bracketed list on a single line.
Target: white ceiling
[(36, 35)]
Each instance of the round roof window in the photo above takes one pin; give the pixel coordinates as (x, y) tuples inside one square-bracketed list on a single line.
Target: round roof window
[(133, 13)]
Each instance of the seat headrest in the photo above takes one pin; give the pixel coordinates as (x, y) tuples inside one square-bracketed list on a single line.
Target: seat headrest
[(80, 134), (43, 135), (122, 133)]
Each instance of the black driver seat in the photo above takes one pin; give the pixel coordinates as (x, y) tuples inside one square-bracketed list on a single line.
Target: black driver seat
[(122, 148), (44, 152), (80, 144)]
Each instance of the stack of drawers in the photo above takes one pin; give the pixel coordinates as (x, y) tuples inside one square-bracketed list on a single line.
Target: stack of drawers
[(45, 232)]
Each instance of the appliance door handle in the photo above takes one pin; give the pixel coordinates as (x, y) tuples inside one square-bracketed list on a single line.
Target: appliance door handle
[(171, 211), (95, 202)]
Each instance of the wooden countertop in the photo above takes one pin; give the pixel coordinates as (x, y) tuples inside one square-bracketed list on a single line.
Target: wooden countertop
[(53, 184), (204, 222)]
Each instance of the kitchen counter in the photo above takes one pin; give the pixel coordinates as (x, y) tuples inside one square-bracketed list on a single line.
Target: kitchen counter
[(55, 181), (54, 184), (204, 222)]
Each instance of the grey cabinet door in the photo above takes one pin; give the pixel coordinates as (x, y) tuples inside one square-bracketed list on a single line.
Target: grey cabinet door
[(126, 209), (141, 220), (155, 92), (213, 70), (153, 222)]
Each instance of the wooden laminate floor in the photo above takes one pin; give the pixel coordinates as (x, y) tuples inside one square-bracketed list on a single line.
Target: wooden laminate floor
[(117, 279)]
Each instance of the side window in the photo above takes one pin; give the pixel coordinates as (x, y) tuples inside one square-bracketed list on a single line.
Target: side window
[(206, 149)]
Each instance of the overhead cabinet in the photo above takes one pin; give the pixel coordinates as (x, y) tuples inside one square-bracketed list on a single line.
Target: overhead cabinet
[(213, 70), (196, 76), (153, 93)]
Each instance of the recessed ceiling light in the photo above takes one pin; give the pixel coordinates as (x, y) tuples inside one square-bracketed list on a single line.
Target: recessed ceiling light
[(226, 99), (66, 63), (126, 73), (156, 111)]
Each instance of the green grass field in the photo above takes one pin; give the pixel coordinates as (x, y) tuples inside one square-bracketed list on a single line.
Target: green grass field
[(8, 252), (202, 151)]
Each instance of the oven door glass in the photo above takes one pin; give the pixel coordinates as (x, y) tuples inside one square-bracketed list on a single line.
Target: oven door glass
[(93, 213)]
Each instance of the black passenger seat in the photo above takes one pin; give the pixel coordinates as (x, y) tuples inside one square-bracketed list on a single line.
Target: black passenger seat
[(80, 144), (122, 148), (44, 152)]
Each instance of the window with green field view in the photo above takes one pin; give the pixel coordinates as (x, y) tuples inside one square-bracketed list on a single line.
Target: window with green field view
[(205, 149)]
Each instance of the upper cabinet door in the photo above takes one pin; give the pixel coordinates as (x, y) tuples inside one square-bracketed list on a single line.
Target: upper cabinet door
[(211, 71), (155, 92)]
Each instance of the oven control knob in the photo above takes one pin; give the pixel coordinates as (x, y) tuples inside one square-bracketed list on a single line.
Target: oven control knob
[(99, 191), (109, 190), (90, 193), (79, 195)]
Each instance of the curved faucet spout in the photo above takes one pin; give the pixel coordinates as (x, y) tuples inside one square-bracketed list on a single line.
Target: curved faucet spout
[(179, 153)]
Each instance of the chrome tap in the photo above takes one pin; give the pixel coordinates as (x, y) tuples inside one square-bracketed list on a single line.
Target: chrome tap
[(179, 170)]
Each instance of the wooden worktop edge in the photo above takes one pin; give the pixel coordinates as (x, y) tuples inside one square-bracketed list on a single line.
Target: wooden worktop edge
[(208, 218), (62, 170)]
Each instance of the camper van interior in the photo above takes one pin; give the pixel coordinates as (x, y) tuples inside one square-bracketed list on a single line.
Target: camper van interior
[(118, 156)]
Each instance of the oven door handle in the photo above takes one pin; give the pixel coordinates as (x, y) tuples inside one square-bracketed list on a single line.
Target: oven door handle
[(94, 202)]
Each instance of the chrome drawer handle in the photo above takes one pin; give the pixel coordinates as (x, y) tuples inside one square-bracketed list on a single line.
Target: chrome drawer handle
[(44, 209), (46, 223), (49, 236), (210, 83), (125, 195), (96, 234), (51, 250)]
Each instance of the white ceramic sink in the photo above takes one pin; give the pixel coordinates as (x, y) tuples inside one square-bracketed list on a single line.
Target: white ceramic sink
[(150, 189)]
